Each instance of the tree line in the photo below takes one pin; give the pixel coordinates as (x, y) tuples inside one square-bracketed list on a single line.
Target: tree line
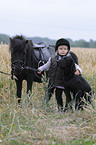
[(77, 43)]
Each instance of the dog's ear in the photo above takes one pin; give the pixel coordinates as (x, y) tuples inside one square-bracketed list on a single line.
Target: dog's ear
[(74, 56), (26, 41), (72, 66)]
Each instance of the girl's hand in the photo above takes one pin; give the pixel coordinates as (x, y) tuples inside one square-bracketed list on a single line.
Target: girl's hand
[(77, 72), (39, 71)]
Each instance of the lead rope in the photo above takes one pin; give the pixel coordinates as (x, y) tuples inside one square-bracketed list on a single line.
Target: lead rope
[(4, 73)]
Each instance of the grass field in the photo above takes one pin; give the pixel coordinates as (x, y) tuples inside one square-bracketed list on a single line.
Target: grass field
[(40, 124)]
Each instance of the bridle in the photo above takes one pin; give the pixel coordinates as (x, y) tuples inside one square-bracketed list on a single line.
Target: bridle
[(19, 62), (22, 62)]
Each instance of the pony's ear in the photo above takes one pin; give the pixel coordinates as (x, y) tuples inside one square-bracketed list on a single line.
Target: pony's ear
[(26, 41), (10, 38), (31, 42)]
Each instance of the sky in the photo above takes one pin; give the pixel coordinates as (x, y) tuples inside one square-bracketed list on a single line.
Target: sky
[(74, 19)]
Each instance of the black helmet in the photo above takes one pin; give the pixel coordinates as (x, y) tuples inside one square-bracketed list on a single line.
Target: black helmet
[(62, 41)]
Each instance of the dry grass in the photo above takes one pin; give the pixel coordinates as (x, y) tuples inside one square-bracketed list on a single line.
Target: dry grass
[(39, 124)]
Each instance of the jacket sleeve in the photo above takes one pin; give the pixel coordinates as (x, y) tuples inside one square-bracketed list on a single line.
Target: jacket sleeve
[(78, 68), (46, 66)]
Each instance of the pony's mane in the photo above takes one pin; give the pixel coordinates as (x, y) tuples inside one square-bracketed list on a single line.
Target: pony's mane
[(20, 43), (17, 43), (19, 37)]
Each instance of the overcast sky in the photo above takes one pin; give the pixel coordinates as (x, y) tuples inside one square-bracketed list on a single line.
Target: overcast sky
[(74, 19)]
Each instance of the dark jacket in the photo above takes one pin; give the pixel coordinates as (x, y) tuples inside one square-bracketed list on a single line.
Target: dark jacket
[(61, 71)]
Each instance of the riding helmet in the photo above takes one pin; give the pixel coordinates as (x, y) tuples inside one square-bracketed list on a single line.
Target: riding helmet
[(60, 42)]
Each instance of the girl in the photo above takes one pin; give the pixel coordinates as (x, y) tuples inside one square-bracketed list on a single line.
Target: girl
[(56, 73)]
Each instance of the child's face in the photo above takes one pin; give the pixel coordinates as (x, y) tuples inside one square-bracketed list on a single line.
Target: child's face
[(62, 50)]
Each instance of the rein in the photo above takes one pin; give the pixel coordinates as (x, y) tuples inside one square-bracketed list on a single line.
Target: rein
[(4, 73), (17, 61), (31, 69), (27, 68)]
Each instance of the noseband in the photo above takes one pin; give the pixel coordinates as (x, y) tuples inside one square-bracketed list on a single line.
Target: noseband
[(23, 63), (18, 62)]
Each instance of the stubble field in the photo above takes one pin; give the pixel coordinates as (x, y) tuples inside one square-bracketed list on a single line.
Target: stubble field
[(41, 124)]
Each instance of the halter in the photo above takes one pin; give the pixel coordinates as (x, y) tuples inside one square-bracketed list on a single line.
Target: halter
[(18, 61), (23, 63)]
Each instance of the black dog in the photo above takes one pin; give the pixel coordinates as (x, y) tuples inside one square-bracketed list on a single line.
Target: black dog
[(74, 83)]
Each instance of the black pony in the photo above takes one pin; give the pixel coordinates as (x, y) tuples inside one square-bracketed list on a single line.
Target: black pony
[(22, 56), (25, 57)]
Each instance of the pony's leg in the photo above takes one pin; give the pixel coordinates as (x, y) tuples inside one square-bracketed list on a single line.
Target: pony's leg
[(29, 91), (29, 86), (49, 94), (19, 89)]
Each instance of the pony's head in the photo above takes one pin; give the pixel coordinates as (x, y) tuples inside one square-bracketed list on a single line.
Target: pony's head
[(18, 47)]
